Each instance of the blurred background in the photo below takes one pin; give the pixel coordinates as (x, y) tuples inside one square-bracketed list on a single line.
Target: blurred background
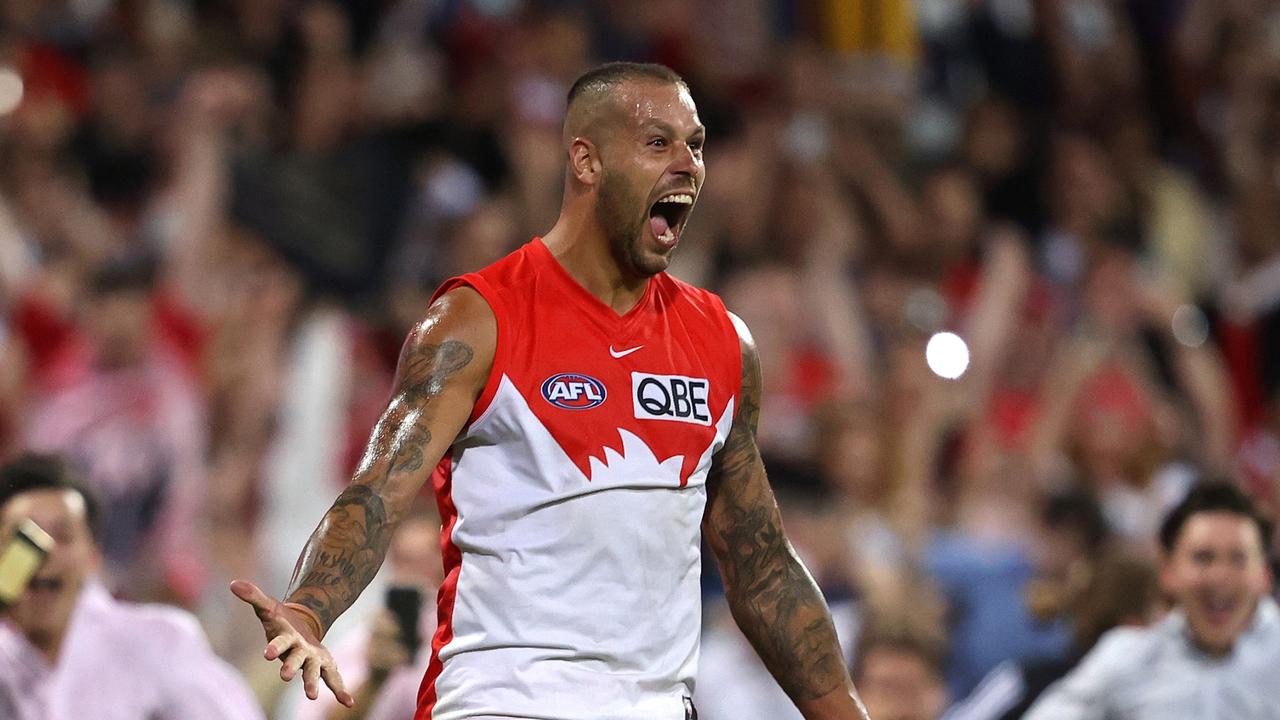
[(1013, 267)]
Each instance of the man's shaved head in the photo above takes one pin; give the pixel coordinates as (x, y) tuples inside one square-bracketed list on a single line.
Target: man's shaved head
[(633, 142), (593, 99)]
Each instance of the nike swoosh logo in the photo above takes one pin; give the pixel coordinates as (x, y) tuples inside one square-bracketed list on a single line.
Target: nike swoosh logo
[(623, 353)]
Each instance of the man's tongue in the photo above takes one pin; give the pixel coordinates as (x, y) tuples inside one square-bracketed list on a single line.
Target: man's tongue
[(660, 228)]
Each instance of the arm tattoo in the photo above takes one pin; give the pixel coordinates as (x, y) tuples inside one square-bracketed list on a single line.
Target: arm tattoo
[(773, 598), (344, 553), (347, 548)]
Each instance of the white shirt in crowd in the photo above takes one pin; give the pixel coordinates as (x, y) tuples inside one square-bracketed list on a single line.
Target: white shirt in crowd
[(121, 661), (1156, 673)]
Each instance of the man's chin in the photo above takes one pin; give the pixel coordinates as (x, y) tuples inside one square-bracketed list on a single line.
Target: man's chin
[(647, 263), (1216, 642), (37, 614)]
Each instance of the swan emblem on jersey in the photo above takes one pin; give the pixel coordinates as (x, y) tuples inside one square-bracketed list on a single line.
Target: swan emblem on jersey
[(637, 459), (573, 391)]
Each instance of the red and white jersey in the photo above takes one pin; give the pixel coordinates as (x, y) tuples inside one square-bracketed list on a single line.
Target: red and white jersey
[(573, 500)]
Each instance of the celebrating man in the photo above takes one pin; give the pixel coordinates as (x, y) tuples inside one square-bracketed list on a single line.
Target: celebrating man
[(589, 420)]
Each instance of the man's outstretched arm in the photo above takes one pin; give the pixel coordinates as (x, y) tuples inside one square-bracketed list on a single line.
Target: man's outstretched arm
[(443, 367), (772, 596)]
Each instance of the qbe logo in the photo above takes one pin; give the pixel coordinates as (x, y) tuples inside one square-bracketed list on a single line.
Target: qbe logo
[(671, 397), (573, 391)]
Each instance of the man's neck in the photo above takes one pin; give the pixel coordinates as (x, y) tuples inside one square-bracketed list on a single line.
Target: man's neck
[(584, 252), (49, 644)]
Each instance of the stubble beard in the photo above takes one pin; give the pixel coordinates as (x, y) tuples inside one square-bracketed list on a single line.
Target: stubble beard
[(616, 215)]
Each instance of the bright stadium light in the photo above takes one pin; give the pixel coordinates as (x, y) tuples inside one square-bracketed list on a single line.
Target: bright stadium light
[(947, 355)]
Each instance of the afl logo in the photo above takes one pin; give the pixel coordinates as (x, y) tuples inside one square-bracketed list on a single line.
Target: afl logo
[(573, 391)]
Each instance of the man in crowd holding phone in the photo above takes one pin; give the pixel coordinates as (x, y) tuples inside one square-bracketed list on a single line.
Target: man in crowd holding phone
[(68, 650)]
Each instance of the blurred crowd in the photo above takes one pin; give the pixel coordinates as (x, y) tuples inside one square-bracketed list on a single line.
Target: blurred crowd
[(218, 218)]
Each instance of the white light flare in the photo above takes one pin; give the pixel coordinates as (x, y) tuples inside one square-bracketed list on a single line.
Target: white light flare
[(947, 355)]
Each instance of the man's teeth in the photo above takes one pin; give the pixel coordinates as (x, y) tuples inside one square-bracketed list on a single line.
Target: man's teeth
[(667, 236), (683, 199)]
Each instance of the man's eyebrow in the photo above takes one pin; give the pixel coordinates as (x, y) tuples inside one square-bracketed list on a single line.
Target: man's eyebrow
[(663, 126), (660, 125)]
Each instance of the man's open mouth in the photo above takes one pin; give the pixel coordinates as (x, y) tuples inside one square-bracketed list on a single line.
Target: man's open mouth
[(667, 216), (46, 584), (1219, 609)]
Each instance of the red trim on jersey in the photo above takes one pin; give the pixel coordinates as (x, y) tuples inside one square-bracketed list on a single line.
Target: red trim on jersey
[(442, 479), (477, 282)]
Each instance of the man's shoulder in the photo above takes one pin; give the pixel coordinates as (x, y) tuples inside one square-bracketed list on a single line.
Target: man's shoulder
[(672, 284), (142, 625), (678, 294), (1128, 653), (1132, 641)]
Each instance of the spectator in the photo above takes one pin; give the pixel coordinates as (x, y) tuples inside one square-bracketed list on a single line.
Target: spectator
[(899, 670), (68, 650), (1215, 655), (984, 578), (1115, 591), (123, 405)]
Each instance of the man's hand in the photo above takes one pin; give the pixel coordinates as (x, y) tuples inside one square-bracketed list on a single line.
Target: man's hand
[(290, 639), (386, 652)]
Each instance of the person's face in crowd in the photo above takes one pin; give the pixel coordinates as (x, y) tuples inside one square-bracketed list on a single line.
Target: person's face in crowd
[(852, 459), (897, 684), (414, 554), (45, 608), (119, 325), (654, 154), (483, 238), (1217, 572), (953, 212)]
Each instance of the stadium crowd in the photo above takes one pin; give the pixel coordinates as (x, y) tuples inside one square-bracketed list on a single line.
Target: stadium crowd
[(218, 218)]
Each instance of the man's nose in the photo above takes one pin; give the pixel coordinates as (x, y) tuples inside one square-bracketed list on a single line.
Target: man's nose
[(1219, 573), (686, 161)]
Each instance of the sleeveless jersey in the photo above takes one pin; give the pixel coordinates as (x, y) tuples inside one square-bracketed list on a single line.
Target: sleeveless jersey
[(573, 499)]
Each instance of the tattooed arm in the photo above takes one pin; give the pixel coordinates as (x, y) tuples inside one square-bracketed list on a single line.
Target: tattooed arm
[(773, 598), (442, 370)]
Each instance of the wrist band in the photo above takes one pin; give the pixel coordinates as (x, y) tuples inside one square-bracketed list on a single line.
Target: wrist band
[(312, 618)]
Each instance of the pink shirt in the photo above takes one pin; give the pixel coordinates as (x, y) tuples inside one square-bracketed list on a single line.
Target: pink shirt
[(121, 661)]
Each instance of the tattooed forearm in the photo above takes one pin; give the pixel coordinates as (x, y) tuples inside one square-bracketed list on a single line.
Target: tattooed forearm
[(343, 555), (348, 547), (773, 599)]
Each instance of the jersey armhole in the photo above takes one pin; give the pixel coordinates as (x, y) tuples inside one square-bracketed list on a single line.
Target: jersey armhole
[(479, 284), (736, 344)]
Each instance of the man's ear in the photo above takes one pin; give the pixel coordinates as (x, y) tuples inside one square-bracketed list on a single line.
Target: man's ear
[(584, 161)]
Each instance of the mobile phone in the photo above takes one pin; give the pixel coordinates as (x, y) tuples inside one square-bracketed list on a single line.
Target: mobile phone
[(20, 560), (406, 604)]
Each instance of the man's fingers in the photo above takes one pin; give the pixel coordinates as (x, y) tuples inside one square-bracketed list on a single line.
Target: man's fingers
[(292, 662), (333, 679), (280, 645), (311, 677), (262, 603)]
